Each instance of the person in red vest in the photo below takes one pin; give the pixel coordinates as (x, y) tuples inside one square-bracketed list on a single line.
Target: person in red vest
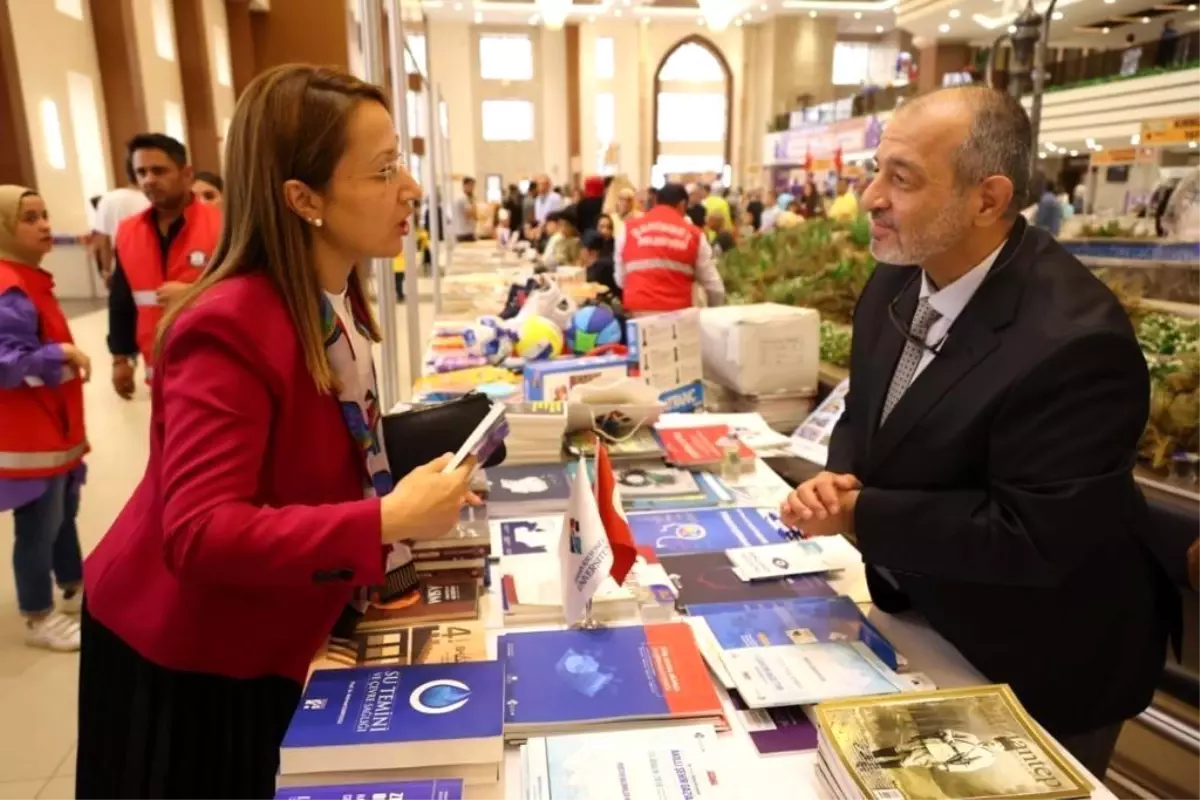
[(42, 438), (159, 253), (659, 255)]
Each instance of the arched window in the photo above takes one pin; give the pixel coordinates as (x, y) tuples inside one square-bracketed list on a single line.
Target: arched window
[(692, 91)]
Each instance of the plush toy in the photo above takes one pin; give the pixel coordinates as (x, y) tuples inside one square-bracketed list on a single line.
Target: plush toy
[(540, 338), (592, 327), (549, 301), (488, 338)]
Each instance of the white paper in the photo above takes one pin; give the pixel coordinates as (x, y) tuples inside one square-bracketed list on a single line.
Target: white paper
[(774, 561)]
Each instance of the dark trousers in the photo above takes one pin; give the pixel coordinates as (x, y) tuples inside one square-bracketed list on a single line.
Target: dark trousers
[(399, 277), (46, 545), (1094, 749)]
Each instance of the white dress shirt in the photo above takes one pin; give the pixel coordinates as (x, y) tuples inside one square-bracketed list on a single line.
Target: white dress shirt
[(949, 302), (545, 204)]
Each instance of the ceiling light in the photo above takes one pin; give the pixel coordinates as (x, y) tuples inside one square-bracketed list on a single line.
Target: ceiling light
[(1041, 155), (879, 29), (1090, 141), (858, 15), (645, 20), (1145, 20), (763, 7), (1105, 29), (626, 2), (1057, 15), (944, 28), (1192, 7), (717, 13), (1109, 2), (553, 12), (617, 12), (1074, 152), (534, 20), (955, 13), (1192, 145), (812, 15), (746, 16), (1136, 139), (737, 22), (591, 17), (478, 17), (458, 6), (1012, 28)]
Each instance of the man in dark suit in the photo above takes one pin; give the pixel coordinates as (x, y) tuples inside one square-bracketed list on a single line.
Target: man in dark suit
[(984, 458)]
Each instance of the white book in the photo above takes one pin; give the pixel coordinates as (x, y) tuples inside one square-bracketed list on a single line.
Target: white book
[(802, 674)]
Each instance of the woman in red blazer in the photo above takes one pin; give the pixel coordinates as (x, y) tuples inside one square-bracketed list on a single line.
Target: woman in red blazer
[(266, 498)]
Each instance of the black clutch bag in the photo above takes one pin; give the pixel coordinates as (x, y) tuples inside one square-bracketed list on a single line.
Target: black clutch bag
[(421, 434)]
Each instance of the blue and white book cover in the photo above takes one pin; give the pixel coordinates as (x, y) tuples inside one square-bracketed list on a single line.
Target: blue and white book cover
[(707, 530), (441, 789), (422, 702), (556, 678), (663, 763), (536, 534), (802, 674), (792, 620), (533, 482)]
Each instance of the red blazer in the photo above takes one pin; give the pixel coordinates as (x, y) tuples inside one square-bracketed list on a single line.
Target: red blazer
[(249, 530)]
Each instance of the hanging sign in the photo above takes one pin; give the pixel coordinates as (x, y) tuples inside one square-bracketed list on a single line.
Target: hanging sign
[(1171, 130)]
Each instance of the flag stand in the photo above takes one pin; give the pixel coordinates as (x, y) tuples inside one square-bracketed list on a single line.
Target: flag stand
[(589, 622)]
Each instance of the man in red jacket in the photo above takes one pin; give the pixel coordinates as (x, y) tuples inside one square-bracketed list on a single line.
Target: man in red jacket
[(659, 255), (158, 253)]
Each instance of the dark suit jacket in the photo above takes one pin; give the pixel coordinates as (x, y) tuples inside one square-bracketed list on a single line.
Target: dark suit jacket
[(999, 493)]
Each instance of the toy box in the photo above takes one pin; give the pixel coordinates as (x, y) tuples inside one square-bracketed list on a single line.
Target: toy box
[(551, 380)]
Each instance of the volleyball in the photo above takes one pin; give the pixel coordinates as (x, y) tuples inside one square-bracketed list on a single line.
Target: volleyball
[(592, 327), (539, 339)]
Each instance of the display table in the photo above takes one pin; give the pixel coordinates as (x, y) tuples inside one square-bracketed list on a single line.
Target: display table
[(784, 775)]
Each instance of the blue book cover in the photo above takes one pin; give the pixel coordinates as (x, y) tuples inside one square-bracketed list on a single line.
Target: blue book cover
[(793, 620), (422, 702), (708, 530), (538, 483), (441, 789), (556, 678), (538, 534)]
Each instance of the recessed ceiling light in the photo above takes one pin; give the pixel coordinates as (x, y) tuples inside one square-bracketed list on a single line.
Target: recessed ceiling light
[(944, 28), (1109, 2), (955, 13), (1041, 155), (1074, 153), (1105, 29), (879, 29), (763, 7), (1057, 15), (1136, 139), (858, 15), (746, 16), (1145, 20), (1192, 7), (478, 17), (812, 15)]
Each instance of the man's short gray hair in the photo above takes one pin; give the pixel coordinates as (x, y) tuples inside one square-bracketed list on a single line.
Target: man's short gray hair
[(999, 142)]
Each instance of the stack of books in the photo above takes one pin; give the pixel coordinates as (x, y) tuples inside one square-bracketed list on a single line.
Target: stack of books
[(671, 764), (653, 485), (703, 447), (448, 597), (464, 551), (435, 643), (532, 591), (640, 444), (958, 743), (535, 432), (527, 490), (444, 789), (568, 681), (381, 724)]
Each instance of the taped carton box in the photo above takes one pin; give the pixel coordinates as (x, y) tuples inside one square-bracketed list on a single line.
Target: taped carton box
[(762, 348)]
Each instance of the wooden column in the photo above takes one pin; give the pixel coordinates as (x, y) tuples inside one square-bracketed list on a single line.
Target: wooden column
[(241, 44), (574, 148), (120, 78), (16, 156), (196, 78), (302, 32)]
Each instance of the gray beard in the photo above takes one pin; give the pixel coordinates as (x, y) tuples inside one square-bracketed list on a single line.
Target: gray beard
[(916, 246)]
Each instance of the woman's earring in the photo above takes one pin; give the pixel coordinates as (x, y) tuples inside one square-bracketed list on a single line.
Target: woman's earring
[(318, 222)]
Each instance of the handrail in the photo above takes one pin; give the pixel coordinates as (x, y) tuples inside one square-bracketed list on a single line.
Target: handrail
[(1170, 728)]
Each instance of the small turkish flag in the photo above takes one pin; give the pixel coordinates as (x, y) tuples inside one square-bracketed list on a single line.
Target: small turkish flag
[(616, 527)]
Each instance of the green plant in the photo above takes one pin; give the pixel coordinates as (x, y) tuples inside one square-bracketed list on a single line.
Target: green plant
[(835, 344), (818, 264), (1112, 229)]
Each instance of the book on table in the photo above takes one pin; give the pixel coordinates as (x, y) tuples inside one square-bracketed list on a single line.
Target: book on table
[(531, 586), (679, 763), (709, 578), (803, 674), (535, 432), (527, 490), (527, 535), (395, 718), (447, 643), (707, 530), (950, 744), (655, 486), (639, 445), (445, 789), (702, 446), (566, 681), (445, 597)]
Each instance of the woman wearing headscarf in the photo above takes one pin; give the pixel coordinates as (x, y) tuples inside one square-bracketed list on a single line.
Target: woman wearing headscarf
[(770, 216), (42, 438), (588, 209)]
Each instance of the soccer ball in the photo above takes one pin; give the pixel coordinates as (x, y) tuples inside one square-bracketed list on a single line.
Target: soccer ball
[(539, 339), (592, 327)]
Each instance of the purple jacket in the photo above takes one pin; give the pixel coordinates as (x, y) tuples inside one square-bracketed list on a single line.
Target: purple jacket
[(22, 355)]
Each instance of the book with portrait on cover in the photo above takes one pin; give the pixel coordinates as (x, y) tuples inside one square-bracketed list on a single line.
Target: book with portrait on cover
[(966, 744)]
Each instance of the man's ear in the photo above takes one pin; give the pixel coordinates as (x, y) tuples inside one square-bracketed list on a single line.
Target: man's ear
[(995, 197), (302, 200)]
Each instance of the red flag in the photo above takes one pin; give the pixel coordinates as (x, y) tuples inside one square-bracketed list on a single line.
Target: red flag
[(616, 527)]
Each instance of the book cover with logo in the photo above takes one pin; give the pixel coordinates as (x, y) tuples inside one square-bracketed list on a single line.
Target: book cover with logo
[(573, 679), (395, 717), (793, 620), (537, 534), (707, 530), (709, 578), (802, 674), (443, 597), (698, 447), (386, 790)]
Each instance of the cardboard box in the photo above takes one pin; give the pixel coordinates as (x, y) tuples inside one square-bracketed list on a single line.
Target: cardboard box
[(762, 348), (551, 380), (664, 351)]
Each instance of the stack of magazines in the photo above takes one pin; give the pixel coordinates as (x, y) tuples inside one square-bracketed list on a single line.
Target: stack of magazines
[(535, 432), (954, 743)]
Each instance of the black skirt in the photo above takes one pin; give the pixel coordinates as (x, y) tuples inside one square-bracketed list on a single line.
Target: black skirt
[(148, 731)]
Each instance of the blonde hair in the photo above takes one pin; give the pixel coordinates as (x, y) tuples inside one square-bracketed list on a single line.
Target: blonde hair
[(289, 124)]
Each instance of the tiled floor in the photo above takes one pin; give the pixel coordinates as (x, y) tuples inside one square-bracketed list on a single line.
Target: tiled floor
[(38, 688)]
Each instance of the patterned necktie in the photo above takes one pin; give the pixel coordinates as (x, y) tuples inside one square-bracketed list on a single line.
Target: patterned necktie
[(922, 321)]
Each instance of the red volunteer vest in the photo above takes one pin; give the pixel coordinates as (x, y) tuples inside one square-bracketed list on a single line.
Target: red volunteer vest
[(41, 427), (141, 258), (659, 257)]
